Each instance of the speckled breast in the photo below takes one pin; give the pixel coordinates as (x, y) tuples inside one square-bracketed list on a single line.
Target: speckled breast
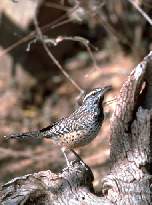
[(79, 138)]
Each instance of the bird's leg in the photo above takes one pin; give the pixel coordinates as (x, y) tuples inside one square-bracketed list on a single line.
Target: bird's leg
[(67, 161), (75, 157), (80, 160)]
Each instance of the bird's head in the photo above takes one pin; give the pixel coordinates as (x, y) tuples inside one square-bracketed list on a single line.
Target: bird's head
[(96, 96)]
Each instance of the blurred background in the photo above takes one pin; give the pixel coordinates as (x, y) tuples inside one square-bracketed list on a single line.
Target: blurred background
[(34, 92)]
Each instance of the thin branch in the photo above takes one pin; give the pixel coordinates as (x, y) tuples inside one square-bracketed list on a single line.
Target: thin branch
[(82, 40), (57, 22), (62, 23), (57, 6), (110, 101), (141, 11), (40, 35)]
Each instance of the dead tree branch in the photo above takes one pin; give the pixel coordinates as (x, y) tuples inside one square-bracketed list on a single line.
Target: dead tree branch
[(148, 19), (130, 176), (51, 56)]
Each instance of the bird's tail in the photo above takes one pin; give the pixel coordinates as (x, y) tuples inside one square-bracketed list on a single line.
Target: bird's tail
[(34, 134)]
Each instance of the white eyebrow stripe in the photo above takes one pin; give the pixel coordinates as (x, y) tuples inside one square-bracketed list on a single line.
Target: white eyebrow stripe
[(92, 92)]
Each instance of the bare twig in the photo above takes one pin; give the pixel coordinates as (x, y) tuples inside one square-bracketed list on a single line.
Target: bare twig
[(57, 6), (57, 22), (110, 101), (40, 35), (61, 23), (82, 40), (141, 12)]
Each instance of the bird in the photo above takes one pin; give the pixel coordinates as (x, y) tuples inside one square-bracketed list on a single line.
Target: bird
[(77, 129)]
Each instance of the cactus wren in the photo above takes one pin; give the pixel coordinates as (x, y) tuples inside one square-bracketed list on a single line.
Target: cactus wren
[(80, 128)]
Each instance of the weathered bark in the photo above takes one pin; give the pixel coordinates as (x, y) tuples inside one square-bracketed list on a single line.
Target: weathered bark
[(129, 180), (130, 176)]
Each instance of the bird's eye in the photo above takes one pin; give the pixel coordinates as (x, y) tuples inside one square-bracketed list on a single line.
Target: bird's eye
[(93, 93)]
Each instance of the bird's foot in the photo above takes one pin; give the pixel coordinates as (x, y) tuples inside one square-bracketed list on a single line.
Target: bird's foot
[(75, 160)]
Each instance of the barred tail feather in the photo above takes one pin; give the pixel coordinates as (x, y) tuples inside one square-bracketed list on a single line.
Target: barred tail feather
[(26, 135)]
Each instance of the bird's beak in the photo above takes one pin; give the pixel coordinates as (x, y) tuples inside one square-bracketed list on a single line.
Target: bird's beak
[(106, 89)]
